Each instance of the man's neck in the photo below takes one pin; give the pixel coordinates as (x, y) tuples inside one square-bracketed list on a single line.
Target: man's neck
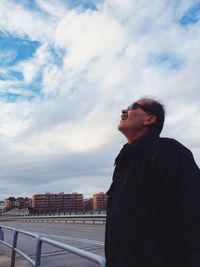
[(134, 136)]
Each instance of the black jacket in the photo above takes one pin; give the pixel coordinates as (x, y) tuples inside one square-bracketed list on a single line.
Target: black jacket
[(153, 213)]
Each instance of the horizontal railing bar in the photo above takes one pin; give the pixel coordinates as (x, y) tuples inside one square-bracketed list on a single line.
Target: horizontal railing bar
[(86, 254), (26, 233), (25, 256), (6, 244), (20, 231), (7, 227)]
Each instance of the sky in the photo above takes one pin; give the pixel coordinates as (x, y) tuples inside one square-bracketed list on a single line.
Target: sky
[(68, 68)]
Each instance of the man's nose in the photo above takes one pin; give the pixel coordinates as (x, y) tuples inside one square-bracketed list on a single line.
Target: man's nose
[(124, 110)]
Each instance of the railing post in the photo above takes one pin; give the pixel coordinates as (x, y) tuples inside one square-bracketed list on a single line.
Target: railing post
[(1, 234), (38, 251), (15, 234)]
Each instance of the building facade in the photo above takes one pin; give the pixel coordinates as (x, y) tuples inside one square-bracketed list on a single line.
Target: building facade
[(73, 202), (16, 203), (88, 204), (100, 201), (9, 203), (57, 202)]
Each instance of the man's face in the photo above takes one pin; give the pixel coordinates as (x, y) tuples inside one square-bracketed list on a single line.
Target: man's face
[(134, 120)]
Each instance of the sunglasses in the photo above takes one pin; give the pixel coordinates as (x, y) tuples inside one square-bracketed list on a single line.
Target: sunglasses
[(136, 105)]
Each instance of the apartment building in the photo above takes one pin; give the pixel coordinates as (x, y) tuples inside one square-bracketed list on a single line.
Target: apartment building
[(100, 201), (16, 203), (9, 203), (22, 202), (88, 204), (41, 202), (58, 202), (73, 202)]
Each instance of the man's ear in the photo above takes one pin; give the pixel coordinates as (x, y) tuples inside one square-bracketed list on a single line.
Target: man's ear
[(150, 119)]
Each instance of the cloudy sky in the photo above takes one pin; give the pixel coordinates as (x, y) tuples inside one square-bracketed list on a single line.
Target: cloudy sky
[(68, 67)]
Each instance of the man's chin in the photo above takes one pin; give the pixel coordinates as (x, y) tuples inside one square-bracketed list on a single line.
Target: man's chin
[(120, 126)]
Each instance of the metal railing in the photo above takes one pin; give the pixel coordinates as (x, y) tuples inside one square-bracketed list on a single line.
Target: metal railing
[(39, 240)]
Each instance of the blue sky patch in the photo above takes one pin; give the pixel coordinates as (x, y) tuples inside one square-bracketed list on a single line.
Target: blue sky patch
[(192, 16), (12, 75), (16, 75), (58, 55), (35, 87), (22, 92), (167, 59), (85, 4), (14, 97), (30, 5), (9, 97), (14, 49)]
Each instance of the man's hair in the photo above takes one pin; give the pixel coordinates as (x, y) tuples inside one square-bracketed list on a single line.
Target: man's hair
[(157, 109)]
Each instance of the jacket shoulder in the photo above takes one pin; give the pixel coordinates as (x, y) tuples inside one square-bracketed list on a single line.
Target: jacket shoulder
[(170, 145)]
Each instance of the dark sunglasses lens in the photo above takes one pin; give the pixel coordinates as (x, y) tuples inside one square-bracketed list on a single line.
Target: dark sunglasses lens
[(136, 105), (132, 106)]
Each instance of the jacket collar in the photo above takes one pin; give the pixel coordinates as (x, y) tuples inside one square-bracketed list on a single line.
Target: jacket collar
[(142, 142), (135, 148)]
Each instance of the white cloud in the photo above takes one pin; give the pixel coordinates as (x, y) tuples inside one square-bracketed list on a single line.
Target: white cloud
[(87, 36), (13, 120), (55, 8), (18, 20), (34, 66)]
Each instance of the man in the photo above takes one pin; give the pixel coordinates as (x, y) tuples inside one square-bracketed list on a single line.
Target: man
[(153, 213)]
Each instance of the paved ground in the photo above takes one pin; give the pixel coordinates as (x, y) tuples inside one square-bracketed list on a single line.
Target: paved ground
[(4, 260)]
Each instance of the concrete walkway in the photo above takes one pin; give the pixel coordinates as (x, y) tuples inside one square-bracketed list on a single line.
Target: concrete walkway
[(4, 260)]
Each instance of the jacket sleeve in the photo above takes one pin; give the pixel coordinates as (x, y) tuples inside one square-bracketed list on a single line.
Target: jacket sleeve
[(180, 177)]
